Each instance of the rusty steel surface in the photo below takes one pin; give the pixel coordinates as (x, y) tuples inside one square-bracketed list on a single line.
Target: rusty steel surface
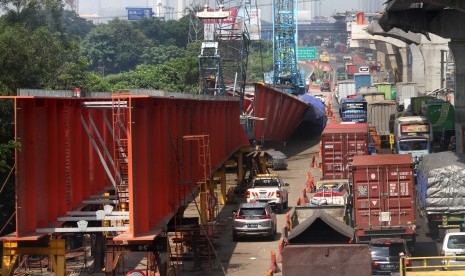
[(384, 197), (327, 259), (58, 166), (339, 144), (282, 113)]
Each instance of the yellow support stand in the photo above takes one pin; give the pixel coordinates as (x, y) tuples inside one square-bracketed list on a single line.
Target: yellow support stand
[(56, 251), (10, 257), (223, 184)]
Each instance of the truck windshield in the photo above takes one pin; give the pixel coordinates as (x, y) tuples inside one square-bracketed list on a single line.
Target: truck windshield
[(265, 183), (410, 145)]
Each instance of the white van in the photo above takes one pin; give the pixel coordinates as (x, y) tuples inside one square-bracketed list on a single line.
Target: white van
[(454, 245)]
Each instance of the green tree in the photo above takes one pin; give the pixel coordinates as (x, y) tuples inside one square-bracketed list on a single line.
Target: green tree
[(116, 46), (162, 54)]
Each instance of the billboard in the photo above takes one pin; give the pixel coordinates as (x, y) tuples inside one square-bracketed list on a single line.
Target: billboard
[(135, 14), (233, 24)]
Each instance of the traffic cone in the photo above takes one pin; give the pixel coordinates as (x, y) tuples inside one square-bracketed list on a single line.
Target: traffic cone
[(319, 152), (304, 197), (314, 163), (311, 185), (280, 251), (288, 221), (274, 265)]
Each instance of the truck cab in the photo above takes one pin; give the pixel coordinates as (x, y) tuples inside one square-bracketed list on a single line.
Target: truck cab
[(413, 135), (269, 188)]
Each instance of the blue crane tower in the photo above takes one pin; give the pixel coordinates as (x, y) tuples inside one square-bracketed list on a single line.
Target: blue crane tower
[(285, 71)]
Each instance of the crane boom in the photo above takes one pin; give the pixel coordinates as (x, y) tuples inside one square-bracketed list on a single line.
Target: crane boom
[(285, 71)]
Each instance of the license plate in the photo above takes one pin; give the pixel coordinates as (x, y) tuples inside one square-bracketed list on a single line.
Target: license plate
[(252, 225), (388, 266), (263, 196)]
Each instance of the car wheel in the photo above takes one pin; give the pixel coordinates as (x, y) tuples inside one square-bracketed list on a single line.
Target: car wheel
[(286, 205)]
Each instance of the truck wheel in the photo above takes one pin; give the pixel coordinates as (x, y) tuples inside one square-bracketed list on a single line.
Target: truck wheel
[(286, 205)]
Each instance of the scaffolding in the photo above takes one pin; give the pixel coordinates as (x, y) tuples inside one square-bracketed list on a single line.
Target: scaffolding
[(285, 71)]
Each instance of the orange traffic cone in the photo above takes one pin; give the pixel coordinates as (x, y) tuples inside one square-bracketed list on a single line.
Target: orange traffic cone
[(274, 265), (319, 152), (280, 251), (314, 163)]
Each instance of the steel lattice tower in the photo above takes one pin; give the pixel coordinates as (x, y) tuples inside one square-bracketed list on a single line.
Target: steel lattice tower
[(285, 70)]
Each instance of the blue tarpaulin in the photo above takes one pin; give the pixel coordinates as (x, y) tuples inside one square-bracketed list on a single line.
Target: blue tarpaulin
[(316, 110)]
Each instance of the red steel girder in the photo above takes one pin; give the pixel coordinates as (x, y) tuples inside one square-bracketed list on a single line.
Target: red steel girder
[(282, 112), (58, 167)]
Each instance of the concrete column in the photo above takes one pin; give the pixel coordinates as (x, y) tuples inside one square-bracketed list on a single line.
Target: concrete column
[(418, 68), (458, 50), (403, 57), (432, 57)]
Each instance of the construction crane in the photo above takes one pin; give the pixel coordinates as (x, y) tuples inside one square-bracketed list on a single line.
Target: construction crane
[(285, 71)]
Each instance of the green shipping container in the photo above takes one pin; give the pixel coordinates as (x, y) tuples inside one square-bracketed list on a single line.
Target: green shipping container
[(418, 105), (386, 88), (440, 113)]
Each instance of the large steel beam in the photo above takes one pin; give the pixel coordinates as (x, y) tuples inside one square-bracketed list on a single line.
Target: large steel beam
[(58, 168)]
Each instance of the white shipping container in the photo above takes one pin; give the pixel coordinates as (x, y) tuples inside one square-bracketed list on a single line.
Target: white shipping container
[(380, 114), (405, 91), (344, 89)]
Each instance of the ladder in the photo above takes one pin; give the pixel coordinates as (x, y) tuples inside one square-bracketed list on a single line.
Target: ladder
[(121, 122)]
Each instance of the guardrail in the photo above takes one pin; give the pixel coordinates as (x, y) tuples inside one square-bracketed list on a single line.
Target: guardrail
[(436, 265)]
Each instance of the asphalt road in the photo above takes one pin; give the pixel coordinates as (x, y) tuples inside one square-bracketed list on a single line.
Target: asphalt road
[(252, 256)]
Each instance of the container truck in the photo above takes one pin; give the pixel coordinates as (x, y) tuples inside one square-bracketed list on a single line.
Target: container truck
[(379, 115), (405, 91), (351, 69), (440, 188), (345, 89), (418, 104), (339, 144), (441, 115), (384, 197), (353, 110), (371, 95), (413, 135), (386, 88), (362, 80)]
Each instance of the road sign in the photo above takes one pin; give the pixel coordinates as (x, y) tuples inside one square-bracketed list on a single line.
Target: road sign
[(306, 53)]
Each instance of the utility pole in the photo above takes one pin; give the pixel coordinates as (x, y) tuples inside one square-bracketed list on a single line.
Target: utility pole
[(443, 63)]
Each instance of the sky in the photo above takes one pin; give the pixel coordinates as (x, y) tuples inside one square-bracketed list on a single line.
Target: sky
[(108, 8)]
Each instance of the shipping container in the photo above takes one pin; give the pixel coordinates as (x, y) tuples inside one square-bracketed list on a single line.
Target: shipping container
[(344, 89), (405, 91), (380, 115), (386, 88), (371, 94), (362, 80), (384, 197), (339, 144), (351, 70)]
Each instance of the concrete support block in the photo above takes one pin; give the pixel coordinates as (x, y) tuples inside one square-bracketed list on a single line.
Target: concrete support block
[(458, 50)]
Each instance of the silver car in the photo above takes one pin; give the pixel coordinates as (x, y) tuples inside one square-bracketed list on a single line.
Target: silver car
[(254, 219)]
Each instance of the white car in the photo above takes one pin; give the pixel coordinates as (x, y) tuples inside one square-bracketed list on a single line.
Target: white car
[(454, 246), (269, 188)]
